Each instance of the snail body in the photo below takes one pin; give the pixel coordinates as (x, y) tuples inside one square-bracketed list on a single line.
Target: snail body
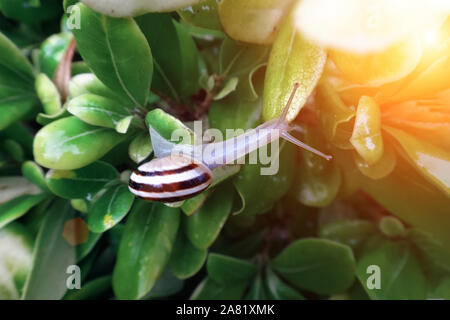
[(182, 173)]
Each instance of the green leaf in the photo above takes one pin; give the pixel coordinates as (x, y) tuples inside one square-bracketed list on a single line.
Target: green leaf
[(17, 97), (88, 83), (140, 148), (208, 289), (259, 192), (203, 15), (166, 286), (138, 8), (93, 290), (16, 254), (81, 183), (319, 180), (69, 143), (278, 290), (257, 289), (17, 207), (227, 89), (24, 12), (13, 59), (401, 274), (222, 114), (203, 228), (52, 255), (335, 117), (175, 56), (97, 110), (226, 270), (14, 150), (108, 45), (242, 60), (392, 227), (317, 265), (165, 124), (145, 249), (186, 260), (432, 252), (429, 160), (110, 208), (48, 94), (414, 200), (293, 59), (52, 51), (191, 205), (352, 233), (126, 123), (441, 290), (366, 137), (34, 174)]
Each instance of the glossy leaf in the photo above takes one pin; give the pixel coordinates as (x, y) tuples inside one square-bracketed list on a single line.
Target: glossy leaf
[(278, 290), (48, 94), (204, 15), (226, 270), (145, 249), (191, 205), (432, 251), (16, 254), (292, 60), (410, 197), (17, 207), (140, 148), (88, 83), (431, 161), (165, 124), (382, 168), (208, 289), (24, 12), (175, 56), (401, 274), (392, 227), (117, 9), (52, 52), (204, 227), (166, 286), (242, 61), (116, 42), (222, 114), (366, 137), (352, 233), (97, 110), (334, 116), (258, 192), (317, 265), (17, 97), (186, 259), (257, 289), (14, 60), (110, 208), (81, 183), (92, 290), (253, 21), (52, 256), (69, 143), (319, 180)]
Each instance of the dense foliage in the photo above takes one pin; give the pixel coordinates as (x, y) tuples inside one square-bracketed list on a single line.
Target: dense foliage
[(76, 102)]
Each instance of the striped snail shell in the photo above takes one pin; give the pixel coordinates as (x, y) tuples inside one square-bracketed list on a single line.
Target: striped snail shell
[(170, 179)]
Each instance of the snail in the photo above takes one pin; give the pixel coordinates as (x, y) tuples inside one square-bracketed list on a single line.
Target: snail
[(176, 176)]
